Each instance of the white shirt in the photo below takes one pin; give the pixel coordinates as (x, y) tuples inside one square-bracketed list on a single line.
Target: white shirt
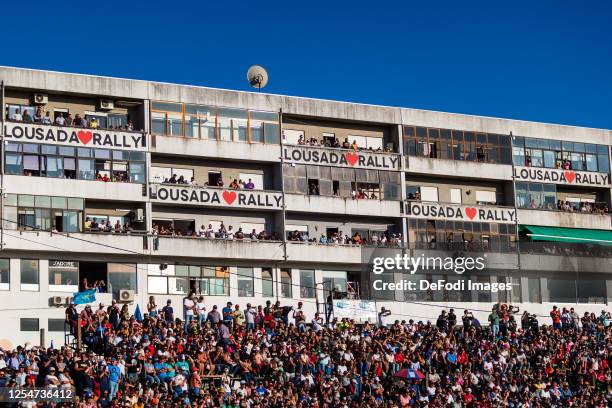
[(201, 308), (16, 116), (189, 304), (60, 120)]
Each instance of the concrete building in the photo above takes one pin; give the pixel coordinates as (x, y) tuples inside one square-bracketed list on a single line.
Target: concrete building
[(442, 184)]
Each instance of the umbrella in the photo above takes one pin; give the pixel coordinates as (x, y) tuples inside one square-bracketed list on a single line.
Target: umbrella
[(138, 313), (408, 374)]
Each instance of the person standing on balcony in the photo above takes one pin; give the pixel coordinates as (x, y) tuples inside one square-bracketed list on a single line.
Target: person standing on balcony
[(249, 185), (60, 120), (16, 116)]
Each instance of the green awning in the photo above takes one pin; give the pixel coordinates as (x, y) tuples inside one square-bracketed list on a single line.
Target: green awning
[(574, 235)]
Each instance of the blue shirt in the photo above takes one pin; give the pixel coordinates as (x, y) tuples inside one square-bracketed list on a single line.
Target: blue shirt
[(113, 373), (227, 310)]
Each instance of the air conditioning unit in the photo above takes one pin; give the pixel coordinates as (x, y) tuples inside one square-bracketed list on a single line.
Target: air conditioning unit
[(139, 215), (57, 301), (68, 300), (107, 104), (126, 296), (41, 99)]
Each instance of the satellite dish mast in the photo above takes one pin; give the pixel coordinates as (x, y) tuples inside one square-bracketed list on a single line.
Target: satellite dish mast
[(257, 77)]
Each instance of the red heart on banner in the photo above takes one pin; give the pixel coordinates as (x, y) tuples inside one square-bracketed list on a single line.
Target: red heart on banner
[(229, 197), (84, 136), (470, 212), (352, 158), (570, 176)]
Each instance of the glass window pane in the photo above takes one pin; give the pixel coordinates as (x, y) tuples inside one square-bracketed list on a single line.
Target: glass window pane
[(26, 200), (14, 163), (102, 154), (66, 151), (121, 277), (42, 201), (245, 282), (31, 148), (59, 202), (86, 169), (75, 203), (84, 152), (267, 284), (29, 271), (11, 199), (49, 149), (307, 284), (29, 324)]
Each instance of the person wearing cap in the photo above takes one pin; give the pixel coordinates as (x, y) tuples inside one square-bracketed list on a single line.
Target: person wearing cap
[(51, 380)]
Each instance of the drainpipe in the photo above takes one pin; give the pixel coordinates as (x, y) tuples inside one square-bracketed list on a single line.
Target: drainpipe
[(516, 223), (2, 194), (282, 163)]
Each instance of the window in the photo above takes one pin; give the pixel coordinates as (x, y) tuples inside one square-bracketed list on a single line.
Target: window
[(554, 154), (267, 283), (215, 281), (291, 136), (29, 275), (31, 159), (533, 290), (56, 325), (5, 274), (172, 280), (429, 194), (455, 195), (121, 277), (63, 276), (334, 281), (28, 325), (245, 282), (307, 284), (457, 145), (485, 197), (536, 196), (27, 212), (256, 179), (286, 285)]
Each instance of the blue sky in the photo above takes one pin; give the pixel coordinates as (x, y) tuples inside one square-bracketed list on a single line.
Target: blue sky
[(545, 61)]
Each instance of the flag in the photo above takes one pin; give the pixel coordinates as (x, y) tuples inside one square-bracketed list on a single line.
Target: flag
[(86, 296), (138, 313)]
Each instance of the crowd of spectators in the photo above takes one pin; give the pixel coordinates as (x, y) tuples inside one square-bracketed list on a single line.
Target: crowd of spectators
[(44, 118), (92, 224), (277, 356), (236, 184), (583, 207), (223, 232), (335, 143), (382, 238)]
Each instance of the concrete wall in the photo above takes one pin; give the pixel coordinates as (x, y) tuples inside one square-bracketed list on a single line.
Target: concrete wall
[(565, 219), (338, 205), (458, 169)]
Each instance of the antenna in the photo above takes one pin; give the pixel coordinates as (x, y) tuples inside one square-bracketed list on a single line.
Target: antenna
[(257, 77)]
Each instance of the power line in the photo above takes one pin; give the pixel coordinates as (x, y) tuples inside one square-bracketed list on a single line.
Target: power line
[(315, 288)]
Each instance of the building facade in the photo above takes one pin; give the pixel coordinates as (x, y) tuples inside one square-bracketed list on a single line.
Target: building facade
[(129, 182)]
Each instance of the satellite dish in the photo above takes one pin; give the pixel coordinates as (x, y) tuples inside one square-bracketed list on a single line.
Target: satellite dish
[(257, 76)]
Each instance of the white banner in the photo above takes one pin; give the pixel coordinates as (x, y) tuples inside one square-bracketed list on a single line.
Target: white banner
[(454, 212), (216, 197), (560, 176), (78, 137), (361, 159), (358, 310)]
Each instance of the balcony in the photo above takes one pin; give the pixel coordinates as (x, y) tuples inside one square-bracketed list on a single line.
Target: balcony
[(78, 243), (323, 253), (325, 156), (458, 168), (90, 189), (339, 205), (562, 177), (193, 147), (268, 251), (564, 219), (181, 194)]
